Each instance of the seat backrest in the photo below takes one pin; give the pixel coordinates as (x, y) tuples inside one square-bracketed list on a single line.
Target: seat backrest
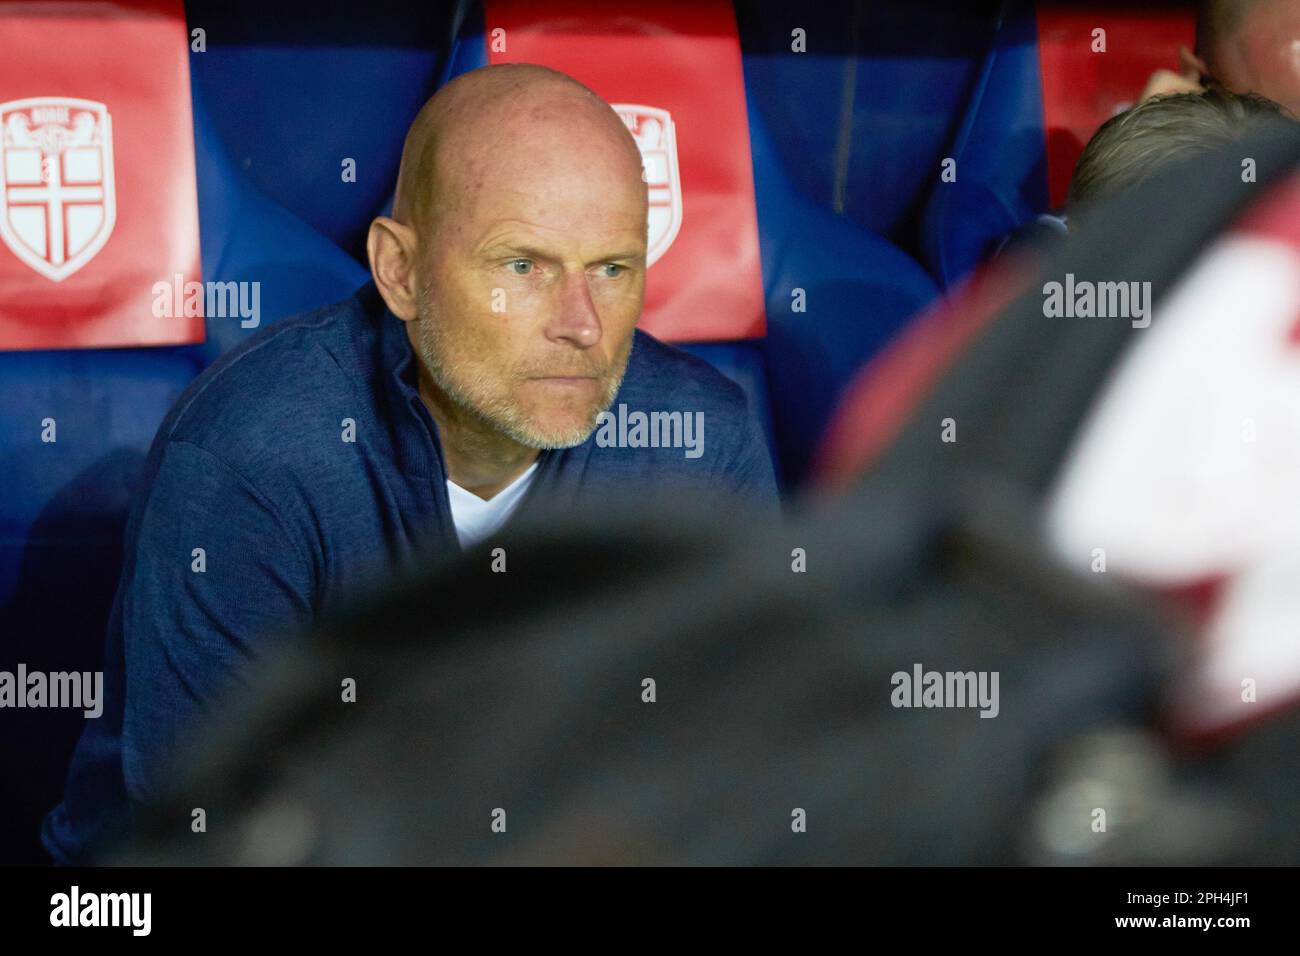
[(248, 238), (836, 295), (1096, 58), (312, 99), (993, 178), (97, 176)]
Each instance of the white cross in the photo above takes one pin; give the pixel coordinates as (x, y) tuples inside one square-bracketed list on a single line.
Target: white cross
[(56, 195)]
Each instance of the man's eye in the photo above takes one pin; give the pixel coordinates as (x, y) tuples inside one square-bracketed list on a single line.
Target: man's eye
[(527, 266), (618, 270)]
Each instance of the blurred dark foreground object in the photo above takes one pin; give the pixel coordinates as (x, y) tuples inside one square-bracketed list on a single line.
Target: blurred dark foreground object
[(523, 691)]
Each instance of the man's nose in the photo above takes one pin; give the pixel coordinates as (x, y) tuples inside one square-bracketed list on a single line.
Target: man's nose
[(576, 319)]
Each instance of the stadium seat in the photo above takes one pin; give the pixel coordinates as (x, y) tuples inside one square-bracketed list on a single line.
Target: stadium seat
[(1046, 83), (247, 237), (859, 290), (296, 88), (1000, 180), (66, 501), (75, 422), (1081, 87)]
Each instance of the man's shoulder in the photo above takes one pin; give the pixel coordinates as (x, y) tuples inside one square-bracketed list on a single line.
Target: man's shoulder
[(289, 378), (664, 383), (662, 376)]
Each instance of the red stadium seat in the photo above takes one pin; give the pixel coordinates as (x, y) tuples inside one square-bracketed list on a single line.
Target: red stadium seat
[(98, 200), (1083, 87)]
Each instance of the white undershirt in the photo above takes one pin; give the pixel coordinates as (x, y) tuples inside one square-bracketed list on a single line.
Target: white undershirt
[(475, 518)]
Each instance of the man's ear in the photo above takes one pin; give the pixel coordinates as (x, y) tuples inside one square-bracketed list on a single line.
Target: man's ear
[(391, 248), (1191, 65)]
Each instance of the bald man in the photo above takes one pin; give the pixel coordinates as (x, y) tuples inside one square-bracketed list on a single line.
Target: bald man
[(471, 381), (1245, 46)]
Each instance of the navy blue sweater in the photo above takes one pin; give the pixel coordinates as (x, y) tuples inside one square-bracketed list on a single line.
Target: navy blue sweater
[(252, 467)]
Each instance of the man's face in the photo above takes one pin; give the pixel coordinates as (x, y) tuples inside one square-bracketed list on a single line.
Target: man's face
[(531, 283)]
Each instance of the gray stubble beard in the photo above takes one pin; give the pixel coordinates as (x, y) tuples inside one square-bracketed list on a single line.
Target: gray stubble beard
[(497, 413)]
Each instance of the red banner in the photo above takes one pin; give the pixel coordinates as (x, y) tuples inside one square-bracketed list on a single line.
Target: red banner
[(97, 194), (673, 72)]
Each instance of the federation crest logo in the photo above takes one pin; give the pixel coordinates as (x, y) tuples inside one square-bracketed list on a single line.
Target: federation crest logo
[(57, 205), (656, 137)]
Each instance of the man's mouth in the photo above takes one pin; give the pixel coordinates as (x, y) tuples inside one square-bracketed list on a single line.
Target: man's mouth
[(562, 378), (573, 383)]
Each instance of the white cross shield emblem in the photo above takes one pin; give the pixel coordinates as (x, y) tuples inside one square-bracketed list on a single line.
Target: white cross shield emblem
[(57, 205), (656, 137)]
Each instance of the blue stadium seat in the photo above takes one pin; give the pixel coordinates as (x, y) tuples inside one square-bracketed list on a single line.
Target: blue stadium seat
[(247, 237), (64, 509), (1000, 154), (859, 289), (296, 87), (862, 119)]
